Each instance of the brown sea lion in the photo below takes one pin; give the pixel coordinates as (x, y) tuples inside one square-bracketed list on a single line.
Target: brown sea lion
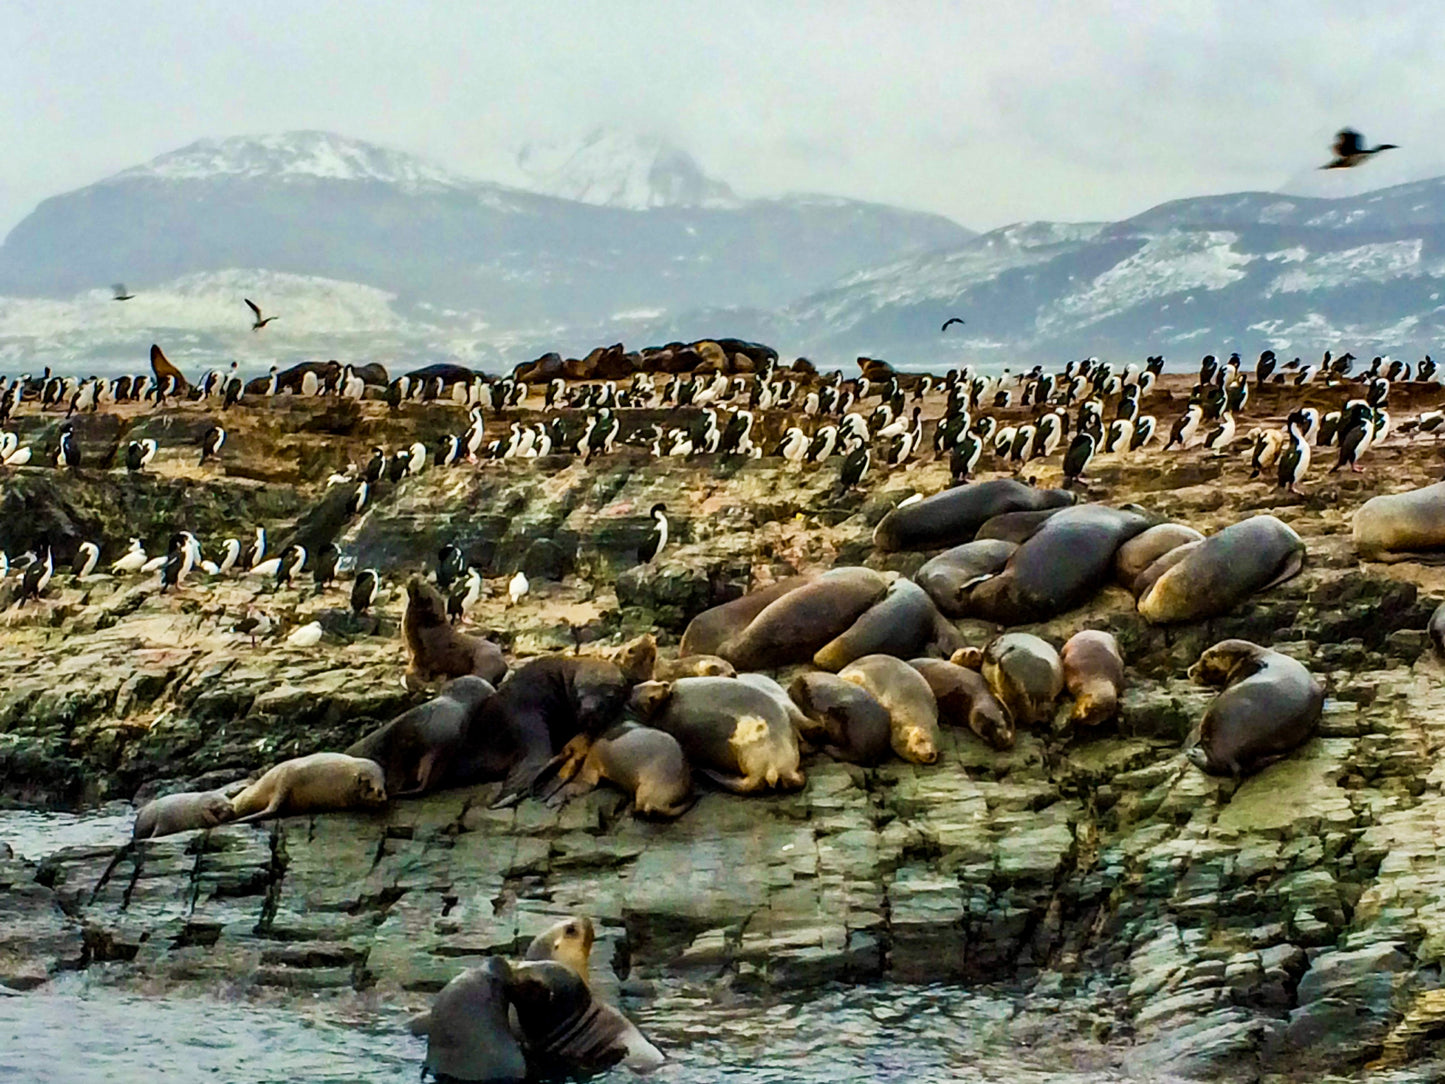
[(646, 762), (955, 515), (843, 717), (1094, 675), (1160, 565), (964, 699), (1269, 707), (569, 942), (435, 649), (1244, 558), (319, 783), (1144, 549), (416, 750), (970, 658), (1401, 526), (1015, 527), (912, 711), (949, 577), (468, 1034), (181, 813), (567, 1030), (692, 666), (1026, 675), (798, 624), (902, 623), (638, 658), (162, 368), (710, 629)]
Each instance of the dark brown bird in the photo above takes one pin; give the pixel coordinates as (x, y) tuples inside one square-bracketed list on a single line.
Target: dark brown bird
[(120, 292), (260, 321), (949, 321), (1350, 150)]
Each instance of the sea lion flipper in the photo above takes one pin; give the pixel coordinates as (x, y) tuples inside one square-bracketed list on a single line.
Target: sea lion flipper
[(420, 1024), (738, 784)]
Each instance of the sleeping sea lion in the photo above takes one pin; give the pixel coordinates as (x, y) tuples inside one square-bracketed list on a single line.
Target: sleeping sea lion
[(416, 750), (844, 717), (955, 515), (710, 629), (1270, 706), (964, 699), (1401, 526), (903, 623), (435, 649), (181, 813), (1026, 675), (949, 577), (1144, 549), (803, 620), (912, 711), (1094, 675), (1243, 559), (646, 762), (319, 783)]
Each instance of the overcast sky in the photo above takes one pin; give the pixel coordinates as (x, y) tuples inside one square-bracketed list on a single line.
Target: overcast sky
[(987, 112)]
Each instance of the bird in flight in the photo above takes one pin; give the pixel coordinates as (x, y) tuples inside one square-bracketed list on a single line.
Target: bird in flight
[(951, 320), (120, 292), (1350, 149), (260, 322)]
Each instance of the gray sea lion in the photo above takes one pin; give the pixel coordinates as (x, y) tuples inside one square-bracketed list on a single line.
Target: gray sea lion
[(1026, 675), (181, 813), (1436, 628), (1269, 707), (764, 683), (955, 515), (1225, 569), (1144, 549), (844, 717), (647, 763), (568, 941), (692, 666), (803, 620), (912, 711), (417, 749), (964, 699), (435, 649), (468, 1036), (903, 623), (710, 629), (735, 733), (567, 1030), (1015, 527), (1093, 674), (949, 577), (319, 783), (1401, 526)]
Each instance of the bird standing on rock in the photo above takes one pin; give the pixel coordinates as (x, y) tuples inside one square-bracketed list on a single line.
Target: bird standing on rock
[(518, 587), (657, 538), (363, 591)]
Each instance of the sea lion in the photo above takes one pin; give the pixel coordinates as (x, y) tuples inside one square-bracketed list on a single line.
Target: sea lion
[(1161, 564), (435, 649), (844, 717), (646, 762), (1144, 549), (1269, 707), (735, 733), (567, 1030), (970, 658), (638, 658), (710, 629), (803, 620), (1436, 628), (319, 783), (1015, 527), (569, 942), (902, 623), (692, 666), (912, 711), (1226, 568), (468, 1036), (949, 577), (416, 749), (1400, 526), (964, 699), (955, 515), (1093, 674), (181, 813), (163, 369), (1026, 675)]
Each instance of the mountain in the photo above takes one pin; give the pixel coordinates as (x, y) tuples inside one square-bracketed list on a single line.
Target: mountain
[(446, 251), (611, 168)]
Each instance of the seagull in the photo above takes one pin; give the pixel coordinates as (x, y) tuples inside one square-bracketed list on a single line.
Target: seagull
[(306, 635), (951, 320), (518, 587), (260, 322), (1350, 150), (120, 292)]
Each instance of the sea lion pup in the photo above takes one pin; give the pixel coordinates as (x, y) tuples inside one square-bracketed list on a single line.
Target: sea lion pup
[(803, 620), (647, 763), (435, 649), (843, 717), (964, 699), (912, 711), (567, 1030), (468, 1037), (1094, 675), (181, 813), (568, 942), (1026, 675), (736, 734), (710, 629), (320, 783), (416, 749), (1269, 707)]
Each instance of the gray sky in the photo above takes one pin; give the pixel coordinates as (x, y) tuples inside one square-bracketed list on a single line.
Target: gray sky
[(987, 112)]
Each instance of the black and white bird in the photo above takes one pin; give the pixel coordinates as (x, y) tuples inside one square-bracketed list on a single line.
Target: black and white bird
[(211, 443), (324, 570), (363, 591), (37, 577), (656, 539), (1356, 433), (1294, 458), (964, 457), (464, 596), (1221, 435), (292, 561), (855, 466), (67, 452), (260, 321), (1186, 427), (139, 453), (1078, 457), (133, 560), (175, 562), (86, 558), (256, 623), (1350, 150), (450, 565)]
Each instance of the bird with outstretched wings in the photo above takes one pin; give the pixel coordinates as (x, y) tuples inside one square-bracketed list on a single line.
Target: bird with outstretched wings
[(1350, 150), (951, 321)]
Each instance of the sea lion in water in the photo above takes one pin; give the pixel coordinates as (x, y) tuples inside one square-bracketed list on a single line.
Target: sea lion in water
[(912, 711), (646, 762), (903, 623), (1401, 526), (710, 629), (181, 813), (416, 749), (964, 699), (1268, 708), (1026, 675), (793, 627), (735, 733), (955, 515), (949, 577), (1094, 675), (320, 783), (468, 1036), (567, 1030), (844, 717), (568, 942), (1144, 549), (435, 649), (1225, 569)]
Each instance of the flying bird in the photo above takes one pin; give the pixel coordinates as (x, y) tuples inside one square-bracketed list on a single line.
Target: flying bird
[(260, 321), (1350, 150), (949, 321), (120, 292)]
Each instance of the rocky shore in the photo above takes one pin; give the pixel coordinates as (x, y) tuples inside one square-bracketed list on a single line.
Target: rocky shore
[(1284, 925)]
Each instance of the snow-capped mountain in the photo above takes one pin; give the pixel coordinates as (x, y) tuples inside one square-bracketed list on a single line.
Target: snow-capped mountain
[(611, 168)]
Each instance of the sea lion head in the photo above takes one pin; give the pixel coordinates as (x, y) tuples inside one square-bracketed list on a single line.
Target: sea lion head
[(713, 666), (424, 603), (568, 942), (970, 658), (918, 746), (649, 697), (216, 809), (991, 721), (637, 659), (1095, 703), (469, 691), (370, 784), (1220, 664), (599, 692)]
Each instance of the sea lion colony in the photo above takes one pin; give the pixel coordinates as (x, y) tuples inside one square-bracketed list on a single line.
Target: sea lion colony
[(1012, 553)]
